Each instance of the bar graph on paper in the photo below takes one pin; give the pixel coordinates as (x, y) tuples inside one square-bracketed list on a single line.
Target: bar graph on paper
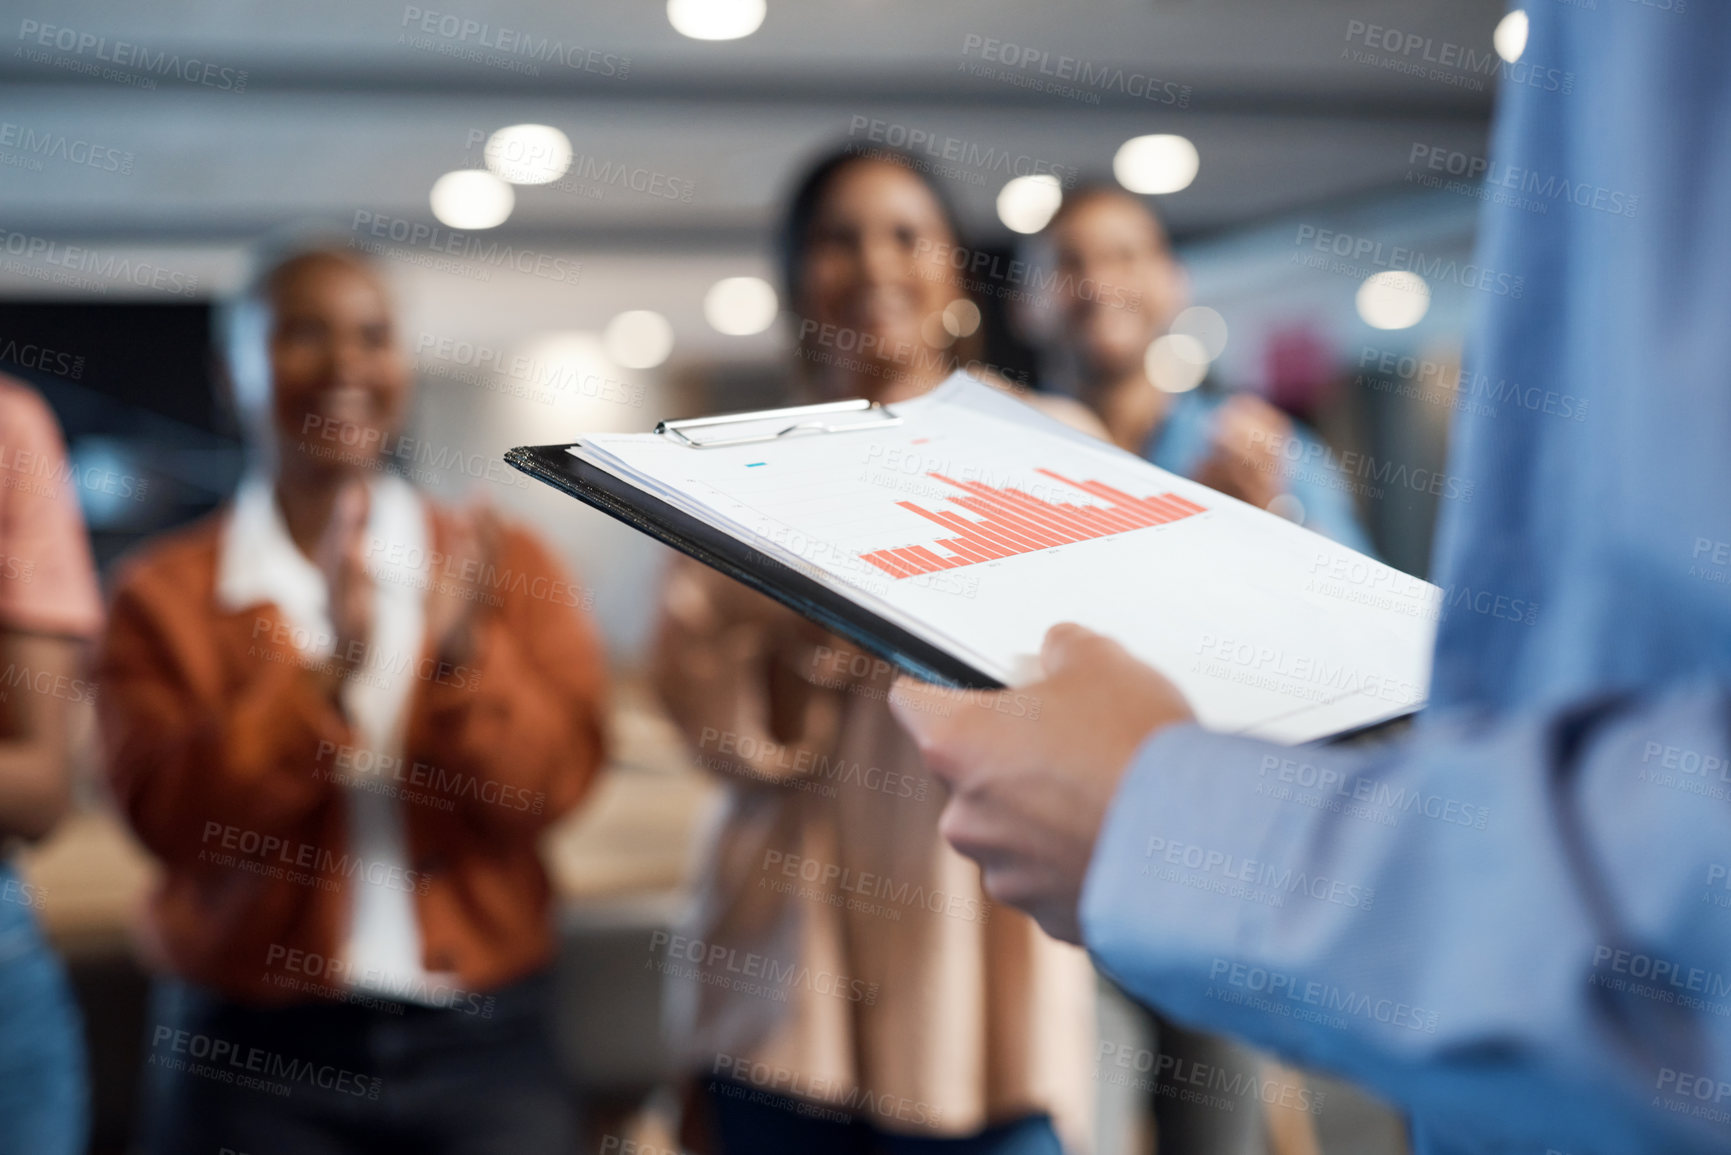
[(1009, 521), (976, 523)]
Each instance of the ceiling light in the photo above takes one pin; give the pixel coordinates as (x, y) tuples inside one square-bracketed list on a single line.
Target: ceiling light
[(1026, 203), (715, 19), (472, 198), (1205, 325), (1176, 363), (1393, 300), (740, 306), (528, 153), (638, 339), (1510, 38), (1156, 165)]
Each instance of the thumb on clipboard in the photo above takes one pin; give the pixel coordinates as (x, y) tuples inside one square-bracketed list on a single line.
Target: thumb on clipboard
[(1032, 771)]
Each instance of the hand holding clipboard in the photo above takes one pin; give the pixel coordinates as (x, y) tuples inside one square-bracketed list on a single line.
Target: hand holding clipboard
[(946, 534)]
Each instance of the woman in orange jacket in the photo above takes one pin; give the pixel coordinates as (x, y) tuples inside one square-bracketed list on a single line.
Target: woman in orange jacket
[(339, 716)]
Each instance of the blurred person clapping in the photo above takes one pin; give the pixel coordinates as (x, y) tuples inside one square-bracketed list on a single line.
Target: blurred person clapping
[(339, 715)]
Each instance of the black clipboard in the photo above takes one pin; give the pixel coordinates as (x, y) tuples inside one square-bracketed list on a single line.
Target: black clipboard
[(767, 575), (619, 499)]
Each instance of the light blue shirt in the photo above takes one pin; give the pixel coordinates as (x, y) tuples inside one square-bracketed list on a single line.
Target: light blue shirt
[(1516, 921), (1185, 439)]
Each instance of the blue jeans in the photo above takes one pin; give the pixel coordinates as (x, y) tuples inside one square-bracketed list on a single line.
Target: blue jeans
[(44, 1100), (750, 1121)]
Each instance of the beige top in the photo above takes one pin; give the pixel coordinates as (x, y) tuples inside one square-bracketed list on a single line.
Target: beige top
[(840, 951)]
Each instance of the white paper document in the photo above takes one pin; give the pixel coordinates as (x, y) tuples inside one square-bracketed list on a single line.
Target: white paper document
[(976, 522)]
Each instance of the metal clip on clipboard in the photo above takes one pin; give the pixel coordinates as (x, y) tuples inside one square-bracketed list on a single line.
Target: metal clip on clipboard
[(731, 429)]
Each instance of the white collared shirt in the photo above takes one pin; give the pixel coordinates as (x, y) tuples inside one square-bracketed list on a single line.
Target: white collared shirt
[(259, 562)]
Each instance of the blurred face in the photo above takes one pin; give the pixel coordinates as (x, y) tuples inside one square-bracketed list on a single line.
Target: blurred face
[(877, 271), (1121, 285), (339, 381)]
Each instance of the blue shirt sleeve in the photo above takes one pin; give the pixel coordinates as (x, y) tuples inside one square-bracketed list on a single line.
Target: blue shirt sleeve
[(1529, 918)]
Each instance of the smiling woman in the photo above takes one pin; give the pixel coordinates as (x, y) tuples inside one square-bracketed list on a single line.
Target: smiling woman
[(863, 257), (268, 674), (905, 1011)]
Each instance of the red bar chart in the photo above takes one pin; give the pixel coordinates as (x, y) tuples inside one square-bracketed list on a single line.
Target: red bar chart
[(1008, 521)]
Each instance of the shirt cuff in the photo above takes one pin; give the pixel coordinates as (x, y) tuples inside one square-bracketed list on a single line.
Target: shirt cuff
[(1199, 852)]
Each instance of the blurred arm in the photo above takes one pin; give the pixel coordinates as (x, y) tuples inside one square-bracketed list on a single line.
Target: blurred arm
[(741, 678), (525, 716), (48, 606), (189, 744), (1249, 460), (1459, 958), (42, 680)]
